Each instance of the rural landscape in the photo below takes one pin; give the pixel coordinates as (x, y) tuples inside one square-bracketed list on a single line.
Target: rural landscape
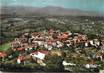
[(51, 39)]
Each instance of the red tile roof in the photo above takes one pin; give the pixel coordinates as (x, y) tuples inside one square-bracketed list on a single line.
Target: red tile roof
[(22, 58), (63, 36), (50, 42), (2, 54), (19, 49)]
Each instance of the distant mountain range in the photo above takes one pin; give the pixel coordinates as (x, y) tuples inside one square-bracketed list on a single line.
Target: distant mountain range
[(49, 10)]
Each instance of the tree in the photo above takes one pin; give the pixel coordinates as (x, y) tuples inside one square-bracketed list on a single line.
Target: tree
[(54, 63)]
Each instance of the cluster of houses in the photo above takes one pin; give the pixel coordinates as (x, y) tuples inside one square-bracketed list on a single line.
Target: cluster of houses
[(39, 44), (53, 39)]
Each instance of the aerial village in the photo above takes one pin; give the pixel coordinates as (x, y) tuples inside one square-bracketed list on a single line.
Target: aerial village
[(75, 49)]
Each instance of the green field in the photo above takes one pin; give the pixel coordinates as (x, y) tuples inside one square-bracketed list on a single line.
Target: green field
[(4, 47)]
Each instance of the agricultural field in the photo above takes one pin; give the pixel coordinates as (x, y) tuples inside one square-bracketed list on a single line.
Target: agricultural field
[(5, 47)]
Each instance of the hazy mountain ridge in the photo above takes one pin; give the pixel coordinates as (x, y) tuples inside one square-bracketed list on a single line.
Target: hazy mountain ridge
[(49, 10)]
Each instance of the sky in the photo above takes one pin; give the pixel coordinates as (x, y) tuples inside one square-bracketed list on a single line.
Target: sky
[(86, 5)]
